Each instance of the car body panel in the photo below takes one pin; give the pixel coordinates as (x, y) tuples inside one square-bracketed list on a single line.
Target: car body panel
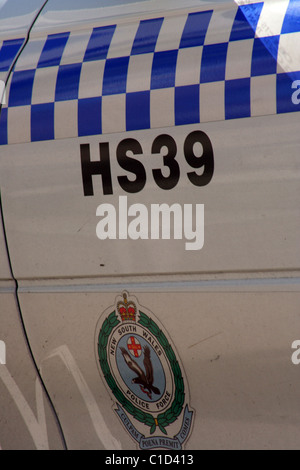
[(27, 418), (15, 22)]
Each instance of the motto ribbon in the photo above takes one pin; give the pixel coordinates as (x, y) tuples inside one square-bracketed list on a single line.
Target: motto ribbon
[(158, 442)]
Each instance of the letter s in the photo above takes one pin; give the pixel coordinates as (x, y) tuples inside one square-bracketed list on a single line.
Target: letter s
[(296, 354), (132, 165)]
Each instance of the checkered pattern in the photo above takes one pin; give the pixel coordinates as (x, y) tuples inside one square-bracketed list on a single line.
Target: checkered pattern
[(8, 53), (176, 70)]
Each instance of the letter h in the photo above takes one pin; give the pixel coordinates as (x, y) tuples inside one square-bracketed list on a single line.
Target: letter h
[(90, 168)]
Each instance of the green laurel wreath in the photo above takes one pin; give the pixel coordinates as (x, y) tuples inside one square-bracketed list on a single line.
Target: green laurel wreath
[(164, 419)]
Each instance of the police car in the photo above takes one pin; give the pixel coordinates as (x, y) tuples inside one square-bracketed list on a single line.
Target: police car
[(149, 258)]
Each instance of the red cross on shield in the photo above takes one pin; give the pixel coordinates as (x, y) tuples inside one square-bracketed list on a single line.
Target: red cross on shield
[(134, 346)]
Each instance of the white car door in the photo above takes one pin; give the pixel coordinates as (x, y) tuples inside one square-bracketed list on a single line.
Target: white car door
[(27, 418)]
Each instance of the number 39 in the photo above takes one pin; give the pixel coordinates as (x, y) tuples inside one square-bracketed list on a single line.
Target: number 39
[(134, 166)]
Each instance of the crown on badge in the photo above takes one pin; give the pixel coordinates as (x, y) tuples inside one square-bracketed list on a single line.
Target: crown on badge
[(127, 309)]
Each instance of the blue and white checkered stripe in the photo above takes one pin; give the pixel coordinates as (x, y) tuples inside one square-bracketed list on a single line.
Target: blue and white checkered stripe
[(176, 70), (9, 50)]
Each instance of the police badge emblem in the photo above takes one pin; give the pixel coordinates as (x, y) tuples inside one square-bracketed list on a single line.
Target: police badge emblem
[(141, 369)]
